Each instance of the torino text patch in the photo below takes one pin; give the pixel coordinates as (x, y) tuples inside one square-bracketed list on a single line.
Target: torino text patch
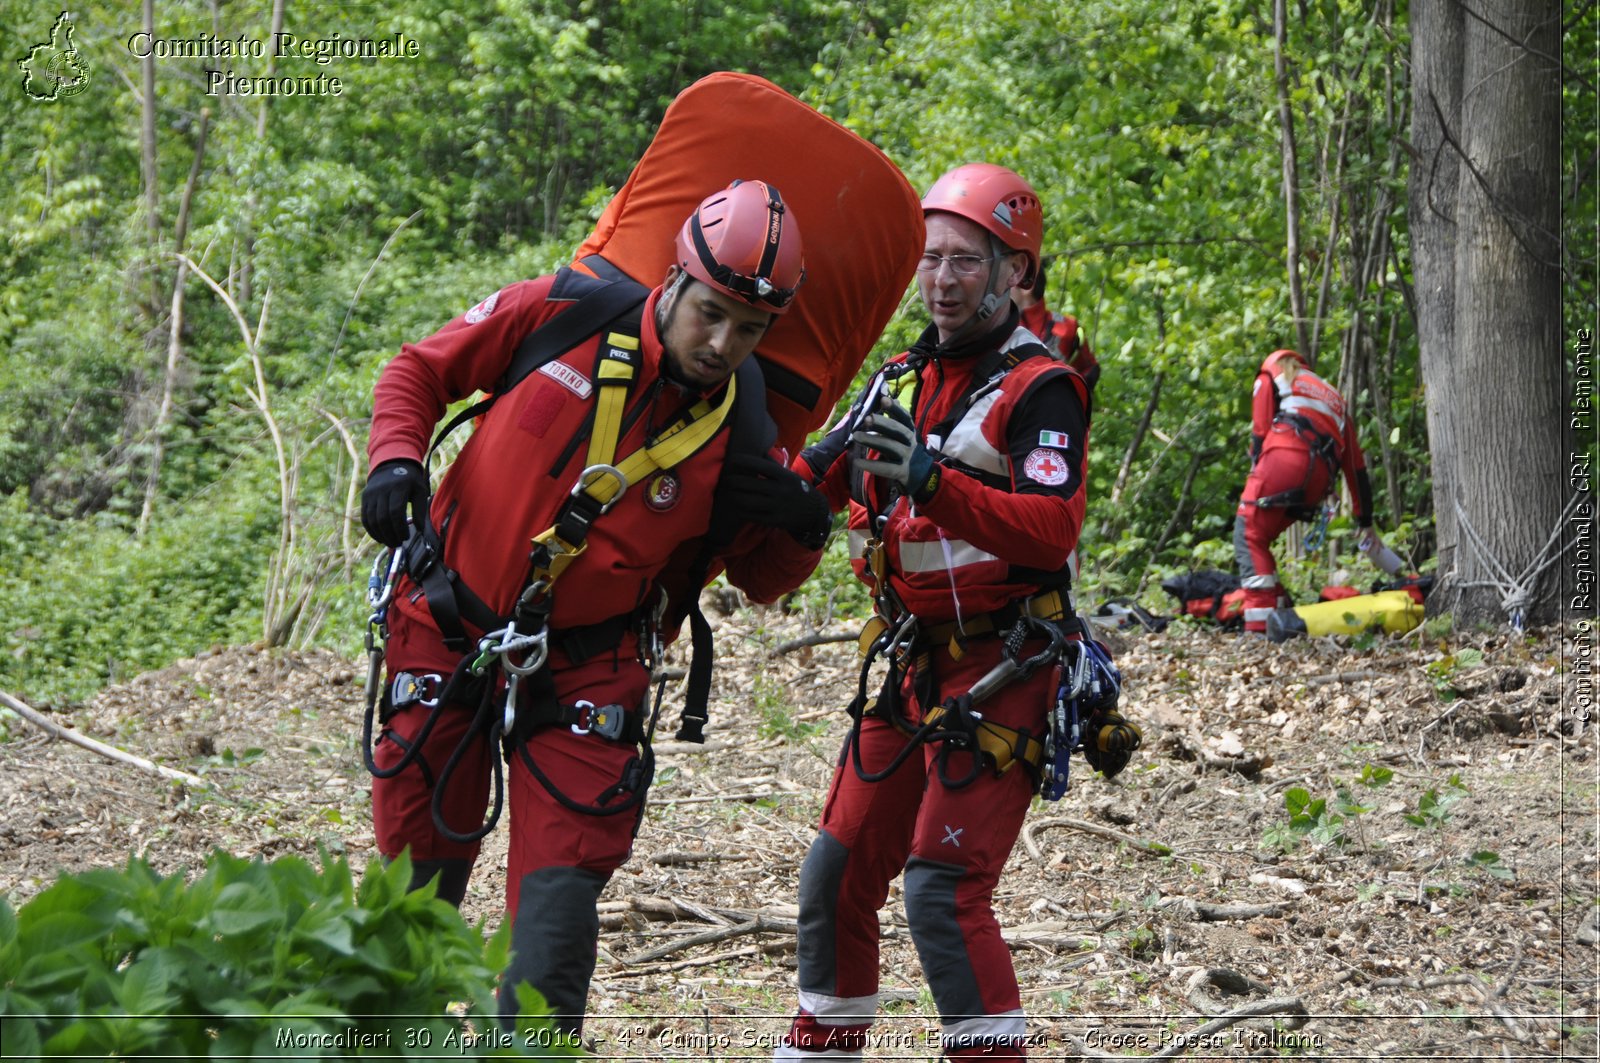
[(568, 378)]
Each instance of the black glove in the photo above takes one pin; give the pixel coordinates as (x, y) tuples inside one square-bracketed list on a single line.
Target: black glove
[(754, 489), (394, 486), (902, 459), (1109, 741)]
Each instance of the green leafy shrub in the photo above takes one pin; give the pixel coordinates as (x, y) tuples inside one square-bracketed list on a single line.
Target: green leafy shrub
[(1433, 807), (253, 959)]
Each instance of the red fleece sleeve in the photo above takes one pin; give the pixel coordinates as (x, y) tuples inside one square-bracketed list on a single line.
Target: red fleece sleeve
[(1037, 531), (469, 354), (1263, 405), (767, 563)]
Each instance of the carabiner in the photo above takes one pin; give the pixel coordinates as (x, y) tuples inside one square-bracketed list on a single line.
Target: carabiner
[(380, 581), (594, 472), (508, 718)]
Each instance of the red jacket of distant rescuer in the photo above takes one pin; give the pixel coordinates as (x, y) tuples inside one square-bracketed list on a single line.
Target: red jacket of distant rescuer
[(1288, 402), (525, 455), (1009, 504), (1062, 337)]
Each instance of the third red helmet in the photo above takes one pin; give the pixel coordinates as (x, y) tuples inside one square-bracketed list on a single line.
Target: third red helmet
[(743, 241), (997, 199)]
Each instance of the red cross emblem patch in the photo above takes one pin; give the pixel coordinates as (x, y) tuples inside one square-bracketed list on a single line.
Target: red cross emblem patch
[(1046, 466), (662, 492)]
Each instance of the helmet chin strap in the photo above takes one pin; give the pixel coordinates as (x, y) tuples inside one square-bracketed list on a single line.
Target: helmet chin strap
[(669, 299)]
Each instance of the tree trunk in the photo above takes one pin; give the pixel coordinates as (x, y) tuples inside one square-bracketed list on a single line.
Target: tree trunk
[(1291, 182), (1485, 223), (1436, 35), (169, 387), (147, 155)]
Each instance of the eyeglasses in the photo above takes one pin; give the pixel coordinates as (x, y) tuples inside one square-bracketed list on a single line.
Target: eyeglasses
[(960, 265)]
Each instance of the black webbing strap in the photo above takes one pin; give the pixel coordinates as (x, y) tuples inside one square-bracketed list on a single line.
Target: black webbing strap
[(591, 313), (751, 431)]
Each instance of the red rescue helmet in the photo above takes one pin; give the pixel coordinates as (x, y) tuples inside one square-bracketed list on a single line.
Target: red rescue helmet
[(743, 241), (1271, 363), (997, 199)]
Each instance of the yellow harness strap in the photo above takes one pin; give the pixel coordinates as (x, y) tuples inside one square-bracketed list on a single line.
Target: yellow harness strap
[(619, 365), (1004, 745), (1049, 605), (672, 445)]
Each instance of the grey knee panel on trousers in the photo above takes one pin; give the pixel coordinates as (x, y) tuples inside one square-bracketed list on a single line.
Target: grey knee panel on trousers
[(553, 941), (451, 873), (821, 876), (930, 891), (1241, 550)]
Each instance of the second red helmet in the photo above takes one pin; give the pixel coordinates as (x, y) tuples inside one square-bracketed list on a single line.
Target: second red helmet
[(743, 241), (997, 199)]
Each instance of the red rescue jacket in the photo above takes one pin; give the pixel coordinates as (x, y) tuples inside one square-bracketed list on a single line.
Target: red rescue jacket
[(522, 460), (1307, 413), (1006, 514)]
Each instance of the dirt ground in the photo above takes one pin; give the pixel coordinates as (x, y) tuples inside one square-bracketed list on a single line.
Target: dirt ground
[(1139, 910)]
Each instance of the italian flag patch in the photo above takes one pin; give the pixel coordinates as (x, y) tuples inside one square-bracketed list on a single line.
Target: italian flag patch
[(1055, 439)]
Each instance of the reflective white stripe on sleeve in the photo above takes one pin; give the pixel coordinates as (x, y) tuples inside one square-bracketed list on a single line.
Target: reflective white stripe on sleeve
[(931, 557), (858, 543)]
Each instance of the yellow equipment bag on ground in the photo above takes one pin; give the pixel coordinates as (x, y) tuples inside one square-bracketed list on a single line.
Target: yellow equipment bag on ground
[(1393, 611)]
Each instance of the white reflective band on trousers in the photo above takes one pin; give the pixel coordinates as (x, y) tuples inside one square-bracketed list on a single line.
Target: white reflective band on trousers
[(1257, 614), (1007, 1026), (1260, 582), (839, 1011)]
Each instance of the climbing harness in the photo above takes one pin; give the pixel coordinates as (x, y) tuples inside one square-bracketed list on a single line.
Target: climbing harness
[(956, 724), (1320, 448), (504, 674)]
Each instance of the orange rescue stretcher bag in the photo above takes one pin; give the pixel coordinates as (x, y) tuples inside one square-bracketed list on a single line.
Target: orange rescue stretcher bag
[(860, 223)]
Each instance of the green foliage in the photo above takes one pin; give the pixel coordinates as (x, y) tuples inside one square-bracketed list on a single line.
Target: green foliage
[(1433, 807), (84, 606), (251, 959), (1311, 819), (1444, 671), (777, 714), (1490, 864)]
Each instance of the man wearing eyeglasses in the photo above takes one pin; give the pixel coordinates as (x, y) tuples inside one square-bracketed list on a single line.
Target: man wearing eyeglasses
[(964, 506)]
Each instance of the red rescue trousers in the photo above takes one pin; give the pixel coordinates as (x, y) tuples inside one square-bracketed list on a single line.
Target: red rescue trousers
[(1285, 466), (544, 833), (952, 842)]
